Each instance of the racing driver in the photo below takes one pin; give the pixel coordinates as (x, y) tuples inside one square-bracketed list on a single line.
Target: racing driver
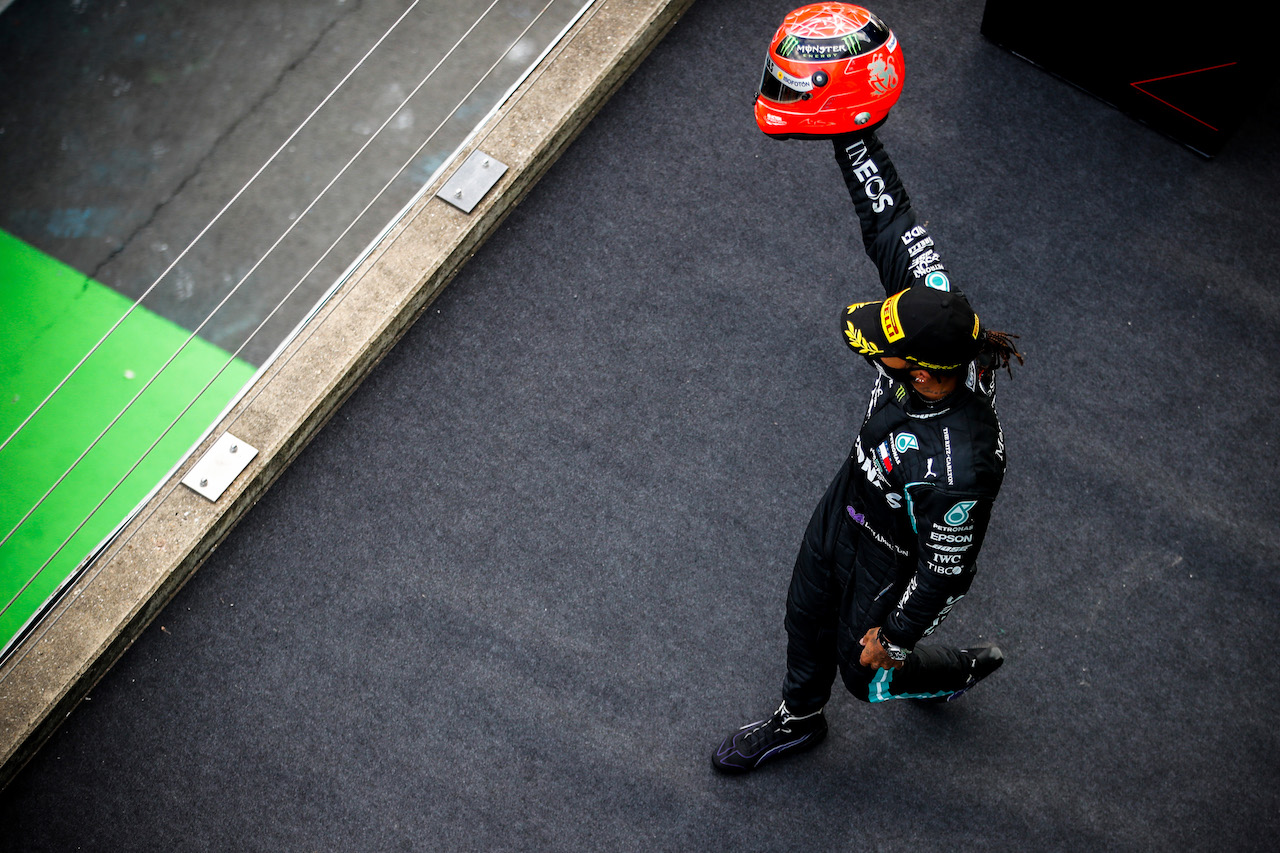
[(892, 546)]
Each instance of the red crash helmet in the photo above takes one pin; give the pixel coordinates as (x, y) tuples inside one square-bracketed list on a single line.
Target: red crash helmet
[(832, 68)]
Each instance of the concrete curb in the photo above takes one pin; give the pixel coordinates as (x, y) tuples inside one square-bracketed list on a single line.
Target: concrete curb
[(112, 603)]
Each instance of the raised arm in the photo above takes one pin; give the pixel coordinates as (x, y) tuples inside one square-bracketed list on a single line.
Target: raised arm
[(897, 243)]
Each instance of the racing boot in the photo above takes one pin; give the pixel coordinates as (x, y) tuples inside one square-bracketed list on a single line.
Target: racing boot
[(983, 660), (781, 735)]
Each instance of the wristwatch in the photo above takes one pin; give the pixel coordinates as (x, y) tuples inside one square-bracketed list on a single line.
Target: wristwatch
[(894, 652)]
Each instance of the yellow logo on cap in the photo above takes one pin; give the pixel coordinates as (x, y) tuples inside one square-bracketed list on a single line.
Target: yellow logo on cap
[(889, 320), (858, 342), (975, 327), (928, 365)]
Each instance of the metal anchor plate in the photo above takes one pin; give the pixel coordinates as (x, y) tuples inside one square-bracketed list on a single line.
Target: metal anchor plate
[(475, 177), (219, 466)]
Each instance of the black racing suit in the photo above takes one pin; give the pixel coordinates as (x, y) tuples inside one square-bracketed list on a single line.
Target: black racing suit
[(894, 541)]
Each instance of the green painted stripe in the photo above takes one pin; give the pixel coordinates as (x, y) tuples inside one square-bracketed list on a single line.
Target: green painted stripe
[(50, 316)]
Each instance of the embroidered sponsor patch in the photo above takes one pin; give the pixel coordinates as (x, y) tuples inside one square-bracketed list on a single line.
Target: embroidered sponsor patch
[(858, 341), (938, 281), (959, 513), (889, 320)]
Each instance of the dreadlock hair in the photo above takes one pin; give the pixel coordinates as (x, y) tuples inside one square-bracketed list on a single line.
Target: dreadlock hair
[(997, 351)]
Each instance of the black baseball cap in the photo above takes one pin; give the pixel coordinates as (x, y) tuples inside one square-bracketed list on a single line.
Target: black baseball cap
[(934, 329)]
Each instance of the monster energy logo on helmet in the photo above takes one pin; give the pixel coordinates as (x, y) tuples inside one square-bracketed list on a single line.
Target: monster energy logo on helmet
[(826, 36), (831, 49)]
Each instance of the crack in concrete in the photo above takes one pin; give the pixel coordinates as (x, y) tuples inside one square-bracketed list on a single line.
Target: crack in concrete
[(253, 108)]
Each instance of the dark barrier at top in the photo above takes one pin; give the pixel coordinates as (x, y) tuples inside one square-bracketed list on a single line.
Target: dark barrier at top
[(1185, 70)]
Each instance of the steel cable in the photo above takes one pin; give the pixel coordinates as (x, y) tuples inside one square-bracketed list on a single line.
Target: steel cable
[(211, 223), (235, 289), (287, 296)]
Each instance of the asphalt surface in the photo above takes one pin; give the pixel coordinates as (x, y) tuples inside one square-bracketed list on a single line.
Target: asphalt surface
[(534, 570)]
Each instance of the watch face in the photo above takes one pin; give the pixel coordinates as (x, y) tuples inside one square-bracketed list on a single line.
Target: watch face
[(894, 652)]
